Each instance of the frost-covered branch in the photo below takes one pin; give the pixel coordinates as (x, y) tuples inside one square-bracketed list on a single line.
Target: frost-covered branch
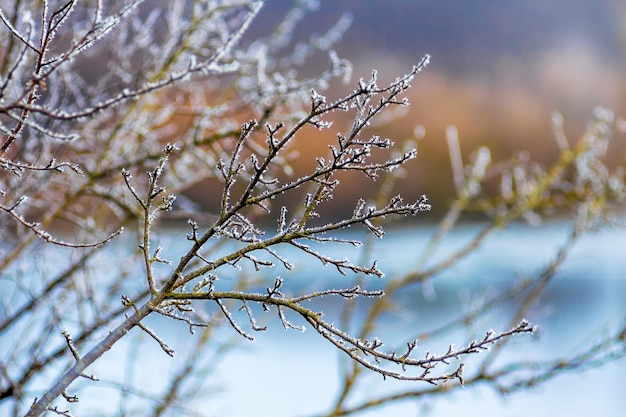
[(116, 115)]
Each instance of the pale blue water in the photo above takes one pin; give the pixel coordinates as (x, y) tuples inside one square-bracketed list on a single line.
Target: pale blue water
[(589, 294), (287, 373)]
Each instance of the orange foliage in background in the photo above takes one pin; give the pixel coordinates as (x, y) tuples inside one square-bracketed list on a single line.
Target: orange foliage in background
[(509, 110)]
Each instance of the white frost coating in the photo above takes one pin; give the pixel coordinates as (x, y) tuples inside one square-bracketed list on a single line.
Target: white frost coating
[(151, 91), (334, 35), (559, 134), (477, 171), (454, 148), (419, 132)]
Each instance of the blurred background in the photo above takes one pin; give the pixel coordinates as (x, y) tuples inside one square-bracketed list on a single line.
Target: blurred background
[(498, 72), (499, 69)]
